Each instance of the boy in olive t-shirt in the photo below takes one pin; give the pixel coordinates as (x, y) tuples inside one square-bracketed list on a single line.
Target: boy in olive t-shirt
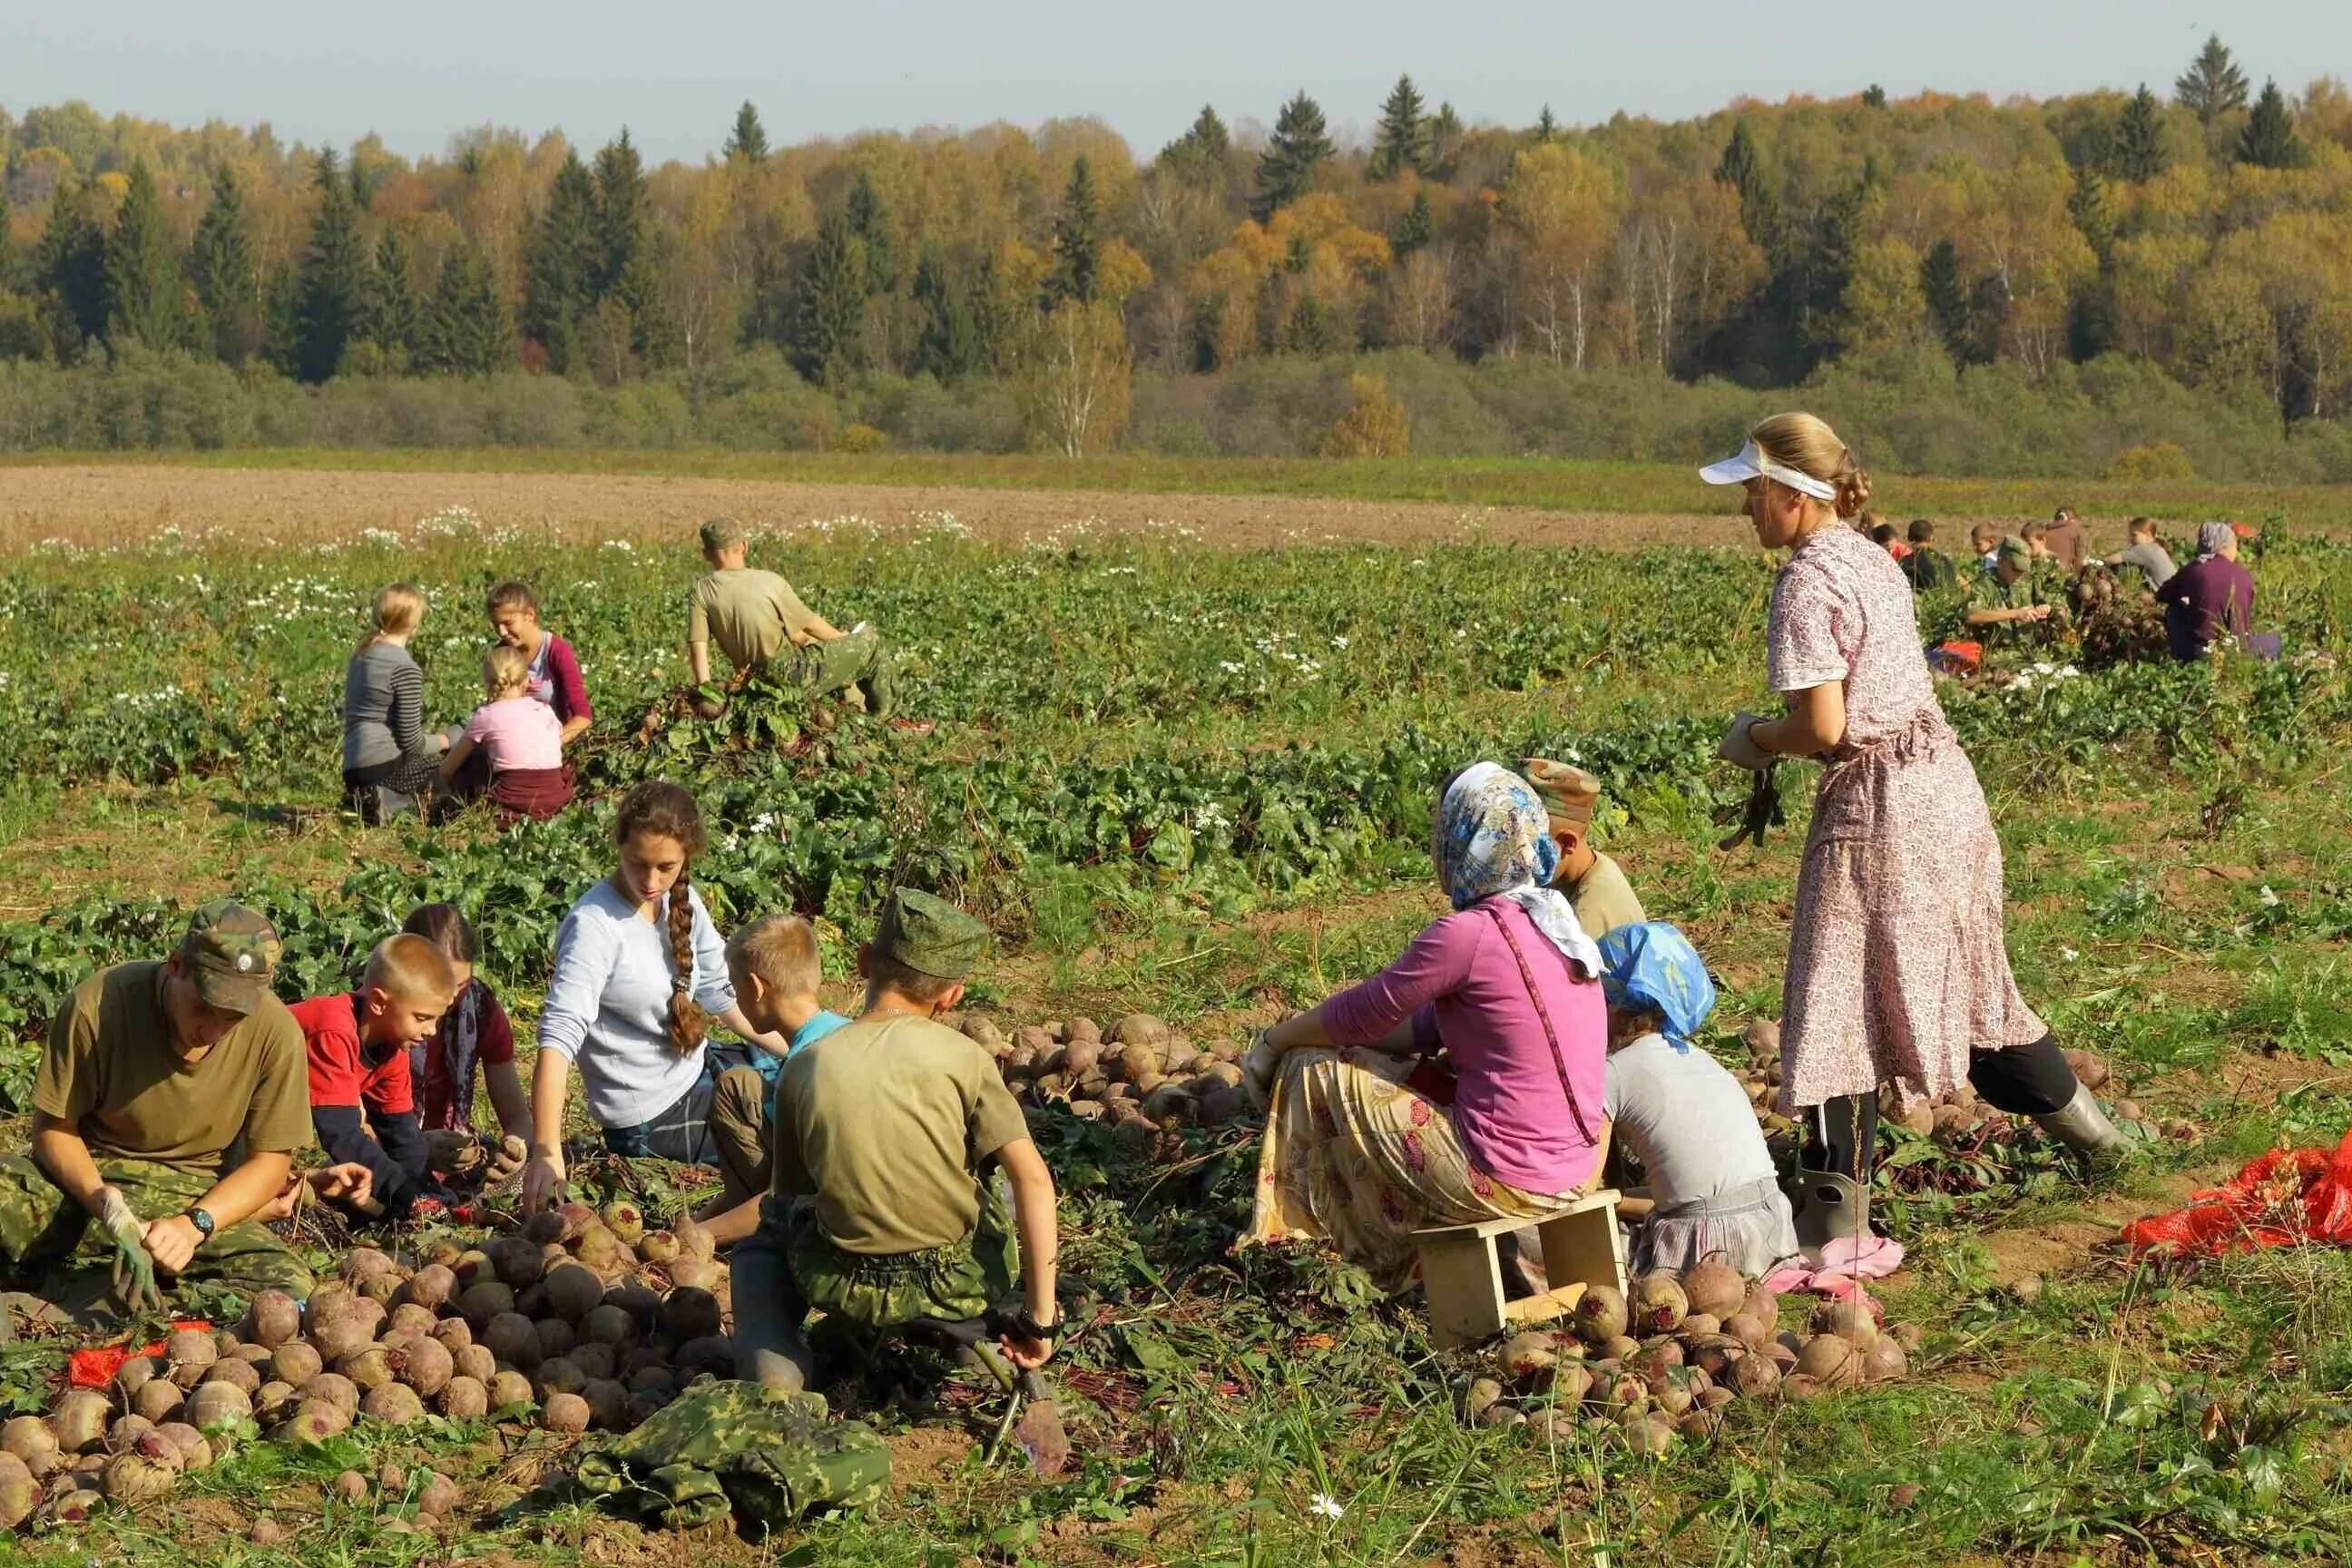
[(154, 1071), (882, 1209), (757, 619)]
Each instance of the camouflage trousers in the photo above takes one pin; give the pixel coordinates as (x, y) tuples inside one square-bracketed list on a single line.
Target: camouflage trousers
[(50, 1246), (787, 1268), (766, 1455), (858, 658)]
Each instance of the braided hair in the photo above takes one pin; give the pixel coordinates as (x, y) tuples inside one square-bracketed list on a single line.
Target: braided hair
[(660, 808)]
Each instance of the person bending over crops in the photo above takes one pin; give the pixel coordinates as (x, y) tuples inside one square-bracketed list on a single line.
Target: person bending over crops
[(755, 618), (2011, 605), (1360, 1149), (153, 1073), (1593, 884), (2064, 538), (2145, 553), (384, 740), (774, 966), (512, 747), (640, 975), (473, 1032), (1709, 1185), (882, 1208), (362, 1101), (1897, 973), (551, 674), (2212, 597)]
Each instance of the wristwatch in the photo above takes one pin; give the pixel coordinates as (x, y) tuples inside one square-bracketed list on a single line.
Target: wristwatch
[(202, 1220), (1029, 1328)]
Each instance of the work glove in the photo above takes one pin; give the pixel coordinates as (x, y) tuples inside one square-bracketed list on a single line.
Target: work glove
[(455, 1151), (506, 1157), (134, 1268), (1763, 810), (1739, 748)]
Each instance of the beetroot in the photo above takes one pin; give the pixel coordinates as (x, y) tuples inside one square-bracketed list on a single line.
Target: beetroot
[(394, 1404), (464, 1399), (274, 1319), (572, 1291), (565, 1413), (690, 1313)]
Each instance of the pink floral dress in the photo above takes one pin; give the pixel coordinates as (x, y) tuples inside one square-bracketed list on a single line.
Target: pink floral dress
[(1896, 968)]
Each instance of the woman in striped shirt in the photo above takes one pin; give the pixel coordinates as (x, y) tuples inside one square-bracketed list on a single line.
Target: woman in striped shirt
[(384, 740)]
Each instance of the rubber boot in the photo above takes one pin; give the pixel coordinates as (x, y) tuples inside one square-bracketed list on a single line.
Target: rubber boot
[(2084, 1128), (1826, 1206)]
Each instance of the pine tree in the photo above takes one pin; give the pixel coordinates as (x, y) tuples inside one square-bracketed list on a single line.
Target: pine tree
[(1198, 157), (829, 313), (749, 140), (1742, 168), (1547, 125), (621, 223), (948, 344), (1402, 139), (2093, 213), (391, 316), (2135, 152), (145, 298), (1947, 301), (2212, 86), (1077, 240), (1444, 141), (1285, 172), (465, 328), (335, 280), (1874, 97), (560, 270), (69, 268), (1416, 228), (221, 266), (281, 320), (869, 220), (2269, 140)]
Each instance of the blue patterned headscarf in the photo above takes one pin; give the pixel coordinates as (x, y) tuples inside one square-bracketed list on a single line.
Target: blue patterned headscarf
[(1654, 965), (1494, 841)]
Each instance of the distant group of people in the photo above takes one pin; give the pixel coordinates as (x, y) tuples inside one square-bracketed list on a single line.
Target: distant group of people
[(2015, 595)]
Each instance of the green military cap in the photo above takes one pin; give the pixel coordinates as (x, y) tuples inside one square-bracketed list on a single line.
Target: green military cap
[(2015, 548), (230, 953), (930, 935), (721, 532)]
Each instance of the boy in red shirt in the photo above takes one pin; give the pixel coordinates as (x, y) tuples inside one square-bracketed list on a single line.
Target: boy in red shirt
[(357, 1042)]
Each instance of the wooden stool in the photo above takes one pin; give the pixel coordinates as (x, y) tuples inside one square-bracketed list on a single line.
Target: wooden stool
[(1464, 1281)]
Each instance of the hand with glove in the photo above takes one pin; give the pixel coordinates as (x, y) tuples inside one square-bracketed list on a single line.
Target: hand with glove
[(505, 1157), (1739, 748), (134, 1265), (455, 1151)]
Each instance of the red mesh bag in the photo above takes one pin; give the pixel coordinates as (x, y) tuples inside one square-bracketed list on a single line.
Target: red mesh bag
[(96, 1366), (2286, 1197)]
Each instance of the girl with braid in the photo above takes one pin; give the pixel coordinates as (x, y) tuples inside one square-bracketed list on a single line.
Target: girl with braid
[(640, 976)]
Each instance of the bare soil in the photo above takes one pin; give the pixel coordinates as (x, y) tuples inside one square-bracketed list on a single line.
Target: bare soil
[(100, 505)]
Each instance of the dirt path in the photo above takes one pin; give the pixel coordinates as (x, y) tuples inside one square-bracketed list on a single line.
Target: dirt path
[(107, 504)]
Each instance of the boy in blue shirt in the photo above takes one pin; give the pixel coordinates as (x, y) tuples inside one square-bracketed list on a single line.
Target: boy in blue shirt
[(776, 966)]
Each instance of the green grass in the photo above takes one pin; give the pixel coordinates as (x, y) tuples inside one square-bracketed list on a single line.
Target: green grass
[(1557, 485)]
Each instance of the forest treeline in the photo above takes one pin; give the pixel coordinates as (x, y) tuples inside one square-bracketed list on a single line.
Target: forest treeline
[(2153, 281)]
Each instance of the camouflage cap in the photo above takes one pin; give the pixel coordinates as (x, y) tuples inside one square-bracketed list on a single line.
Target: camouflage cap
[(1569, 794), (928, 935), (2015, 548), (721, 531), (230, 953)]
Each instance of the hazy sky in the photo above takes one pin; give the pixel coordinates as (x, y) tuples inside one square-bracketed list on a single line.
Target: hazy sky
[(674, 72)]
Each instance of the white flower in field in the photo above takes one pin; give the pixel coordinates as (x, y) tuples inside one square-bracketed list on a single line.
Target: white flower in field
[(1416, 561), (1328, 1506), (2070, 672), (2069, 954), (2270, 900), (1339, 643), (1229, 667), (2045, 668), (623, 545)]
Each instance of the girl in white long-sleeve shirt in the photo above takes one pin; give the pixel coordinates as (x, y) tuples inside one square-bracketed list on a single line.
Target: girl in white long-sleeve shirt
[(640, 975)]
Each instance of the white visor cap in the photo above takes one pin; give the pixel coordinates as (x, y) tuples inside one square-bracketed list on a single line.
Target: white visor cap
[(1750, 463)]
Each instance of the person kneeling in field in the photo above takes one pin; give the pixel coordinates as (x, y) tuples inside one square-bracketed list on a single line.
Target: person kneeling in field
[(1593, 884), (357, 1044), (757, 618), (153, 1072), (2014, 604), (520, 742), (775, 967), (1711, 1186), (882, 1209)]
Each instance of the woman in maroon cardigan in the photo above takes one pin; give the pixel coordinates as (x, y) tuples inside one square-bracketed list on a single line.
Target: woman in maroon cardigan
[(554, 675)]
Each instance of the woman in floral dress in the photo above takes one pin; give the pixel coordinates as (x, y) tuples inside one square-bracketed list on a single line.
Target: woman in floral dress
[(1362, 1148), (1897, 973)]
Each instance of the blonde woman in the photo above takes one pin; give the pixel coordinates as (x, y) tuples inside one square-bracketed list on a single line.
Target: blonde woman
[(1896, 972), (514, 744), (385, 743)]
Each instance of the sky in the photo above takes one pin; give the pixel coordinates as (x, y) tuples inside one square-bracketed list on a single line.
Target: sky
[(674, 72)]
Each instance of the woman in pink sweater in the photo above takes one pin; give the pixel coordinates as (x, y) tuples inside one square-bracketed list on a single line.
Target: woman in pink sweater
[(1362, 1148)]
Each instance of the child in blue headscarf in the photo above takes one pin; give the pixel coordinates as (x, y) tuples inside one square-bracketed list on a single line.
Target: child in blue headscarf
[(1710, 1184)]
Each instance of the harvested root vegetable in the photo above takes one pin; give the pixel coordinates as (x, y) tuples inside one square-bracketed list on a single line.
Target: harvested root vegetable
[(464, 1399), (556, 1338), (336, 1389), (363, 1261), (218, 1404), (455, 1334), (80, 1421), (159, 1400), (408, 1319), (145, 1472), (608, 1403), (576, 1219), (237, 1374), (1830, 1359), (1527, 1355), (19, 1493), (1755, 1376), (135, 1374), (275, 1401), (694, 1274), (475, 1361), (480, 1303), (711, 1353), (313, 1421), (1484, 1394), (190, 1353), (565, 1413), (1600, 1316), (626, 1220), (510, 1388), (195, 1451), (1849, 1320), (29, 1440), (602, 1251), (394, 1404), (1884, 1361), (296, 1363), (440, 1496), (559, 1376), (658, 1247), (690, 1313), (516, 1260), (431, 1288), (424, 1365), (369, 1368), (572, 1291), (1714, 1287), (542, 1227), (72, 1505), (512, 1338), (339, 1337), (351, 1487), (1658, 1303)]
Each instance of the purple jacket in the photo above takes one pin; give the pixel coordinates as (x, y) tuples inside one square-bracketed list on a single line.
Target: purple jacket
[(2211, 596)]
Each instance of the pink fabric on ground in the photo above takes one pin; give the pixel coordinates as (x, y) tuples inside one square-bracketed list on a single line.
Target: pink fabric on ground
[(1842, 1267)]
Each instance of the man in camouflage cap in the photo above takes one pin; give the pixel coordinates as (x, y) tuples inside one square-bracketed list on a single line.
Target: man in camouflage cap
[(1594, 884), (2015, 604), (154, 1071), (756, 618), (890, 1133)]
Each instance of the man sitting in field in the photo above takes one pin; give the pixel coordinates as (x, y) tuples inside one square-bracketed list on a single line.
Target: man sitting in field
[(2011, 605), (1594, 885), (889, 1134), (755, 617), (153, 1073)]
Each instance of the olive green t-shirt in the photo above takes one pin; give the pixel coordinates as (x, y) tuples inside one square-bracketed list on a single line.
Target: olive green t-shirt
[(751, 615), (1604, 899), (885, 1123), (110, 1074)]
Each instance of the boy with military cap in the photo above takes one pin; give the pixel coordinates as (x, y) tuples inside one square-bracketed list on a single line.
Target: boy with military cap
[(755, 618), (1595, 884), (154, 1071), (882, 1208)]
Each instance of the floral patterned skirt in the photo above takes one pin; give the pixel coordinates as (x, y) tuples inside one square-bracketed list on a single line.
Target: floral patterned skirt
[(1354, 1157)]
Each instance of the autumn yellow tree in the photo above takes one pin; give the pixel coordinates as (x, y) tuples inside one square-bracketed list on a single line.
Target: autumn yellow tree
[(1563, 206)]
